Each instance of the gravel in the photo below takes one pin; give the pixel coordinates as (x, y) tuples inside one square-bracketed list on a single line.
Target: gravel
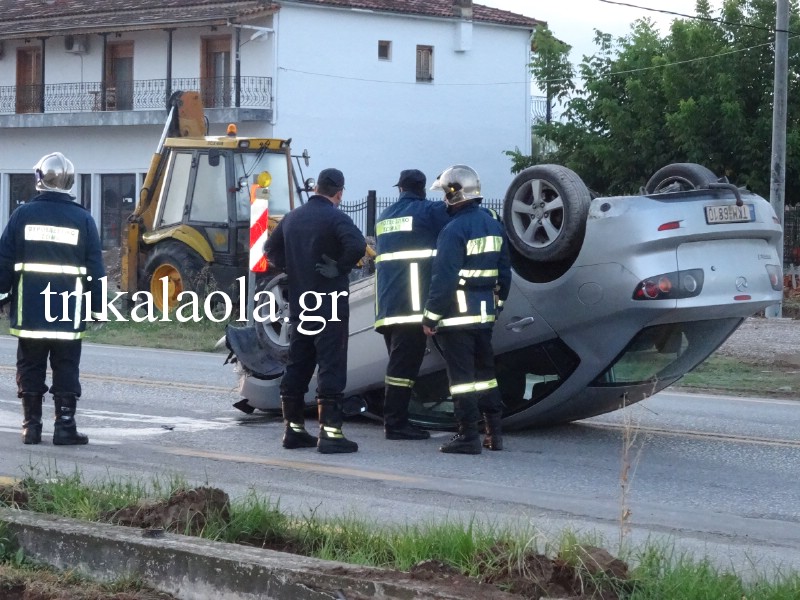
[(765, 340)]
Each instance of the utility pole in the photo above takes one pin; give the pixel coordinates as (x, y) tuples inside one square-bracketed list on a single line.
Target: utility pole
[(778, 169)]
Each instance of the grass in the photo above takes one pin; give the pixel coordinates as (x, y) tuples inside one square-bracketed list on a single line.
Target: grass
[(742, 378), (201, 336), (193, 336), (494, 554)]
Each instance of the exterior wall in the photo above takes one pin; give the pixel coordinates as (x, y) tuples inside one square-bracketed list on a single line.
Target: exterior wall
[(370, 117), (99, 150), (332, 95)]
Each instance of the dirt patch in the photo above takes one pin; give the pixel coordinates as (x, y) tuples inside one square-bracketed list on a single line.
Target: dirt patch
[(111, 260), (588, 573)]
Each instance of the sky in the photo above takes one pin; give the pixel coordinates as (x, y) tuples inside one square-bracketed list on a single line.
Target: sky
[(574, 21)]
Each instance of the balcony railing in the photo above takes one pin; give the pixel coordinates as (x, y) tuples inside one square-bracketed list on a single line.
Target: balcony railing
[(147, 94)]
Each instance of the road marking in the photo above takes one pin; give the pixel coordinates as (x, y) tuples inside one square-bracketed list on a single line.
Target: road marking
[(292, 464), (686, 433), (147, 382), (118, 426)]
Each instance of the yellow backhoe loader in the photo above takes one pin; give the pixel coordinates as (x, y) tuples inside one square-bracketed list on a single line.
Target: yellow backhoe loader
[(190, 230)]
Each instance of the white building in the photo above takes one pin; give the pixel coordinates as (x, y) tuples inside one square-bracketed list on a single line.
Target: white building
[(368, 86)]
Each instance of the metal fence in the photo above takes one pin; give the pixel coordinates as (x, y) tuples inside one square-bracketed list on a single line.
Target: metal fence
[(144, 94), (365, 212), (791, 236)]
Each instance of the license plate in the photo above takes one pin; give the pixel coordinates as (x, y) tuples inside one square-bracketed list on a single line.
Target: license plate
[(730, 213)]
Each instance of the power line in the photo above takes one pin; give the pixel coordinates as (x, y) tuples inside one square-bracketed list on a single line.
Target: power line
[(328, 75), (698, 17), (672, 64)]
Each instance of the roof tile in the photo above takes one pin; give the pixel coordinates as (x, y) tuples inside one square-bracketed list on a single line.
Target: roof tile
[(39, 17)]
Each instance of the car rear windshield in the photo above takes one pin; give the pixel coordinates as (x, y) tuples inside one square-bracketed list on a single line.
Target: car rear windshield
[(667, 351)]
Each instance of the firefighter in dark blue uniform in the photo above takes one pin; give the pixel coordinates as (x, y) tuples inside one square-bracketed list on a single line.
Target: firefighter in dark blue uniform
[(317, 245), (471, 280), (49, 251), (406, 235)]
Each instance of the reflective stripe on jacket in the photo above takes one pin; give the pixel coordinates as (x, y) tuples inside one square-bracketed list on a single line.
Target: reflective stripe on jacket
[(406, 235), (50, 255), (471, 261)]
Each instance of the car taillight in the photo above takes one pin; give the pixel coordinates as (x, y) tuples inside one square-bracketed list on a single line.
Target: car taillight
[(669, 286), (775, 276)]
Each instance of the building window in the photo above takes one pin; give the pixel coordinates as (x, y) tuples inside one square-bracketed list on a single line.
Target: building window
[(424, 63), (118, 194), (23, 188), (384, 50)]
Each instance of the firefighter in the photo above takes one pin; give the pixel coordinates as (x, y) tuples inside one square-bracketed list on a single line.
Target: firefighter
[(470, 281), (406, 235), (317, 246), (50, 255)]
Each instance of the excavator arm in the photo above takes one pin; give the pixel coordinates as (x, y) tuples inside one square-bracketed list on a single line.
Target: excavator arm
[(186, 118)]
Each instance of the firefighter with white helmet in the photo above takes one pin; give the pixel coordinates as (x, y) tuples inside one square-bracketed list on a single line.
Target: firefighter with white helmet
[(50, 255), (470, 281)]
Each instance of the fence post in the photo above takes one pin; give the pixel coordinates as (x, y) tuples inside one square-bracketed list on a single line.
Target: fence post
[(372, 206)]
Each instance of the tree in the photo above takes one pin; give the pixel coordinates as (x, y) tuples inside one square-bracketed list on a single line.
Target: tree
[(702, 93)]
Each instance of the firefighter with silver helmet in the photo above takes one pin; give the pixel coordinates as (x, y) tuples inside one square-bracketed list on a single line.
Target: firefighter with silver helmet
[(470, 280), (50, 255)]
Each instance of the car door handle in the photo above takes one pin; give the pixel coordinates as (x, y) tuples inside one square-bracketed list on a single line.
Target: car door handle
[(519, 325)]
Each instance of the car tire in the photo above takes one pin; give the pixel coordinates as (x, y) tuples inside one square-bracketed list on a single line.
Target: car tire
[(545, 212), (275, 334), (680, 177), (183, 268)]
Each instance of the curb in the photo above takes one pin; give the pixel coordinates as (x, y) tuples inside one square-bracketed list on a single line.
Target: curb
[(192, 568)]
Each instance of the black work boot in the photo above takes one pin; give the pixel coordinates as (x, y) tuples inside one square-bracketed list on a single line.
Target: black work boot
[(32, 418), (406, 432), (466, 441), (64, 432), (494, 431), (295, 434), (395, 416), (331, 439)]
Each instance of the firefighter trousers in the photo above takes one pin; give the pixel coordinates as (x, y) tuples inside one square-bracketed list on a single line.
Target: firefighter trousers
[(406, 347), (65, 358), (470, 370)]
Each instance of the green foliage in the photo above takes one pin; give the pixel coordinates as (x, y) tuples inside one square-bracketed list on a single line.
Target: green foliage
[(9, 552), (550, 65), (702, 93), (474, 548)]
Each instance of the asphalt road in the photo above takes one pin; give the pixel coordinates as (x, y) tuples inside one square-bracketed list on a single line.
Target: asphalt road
[(714, 475)]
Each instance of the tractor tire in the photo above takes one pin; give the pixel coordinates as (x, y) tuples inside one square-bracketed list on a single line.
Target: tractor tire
[(183, 268)]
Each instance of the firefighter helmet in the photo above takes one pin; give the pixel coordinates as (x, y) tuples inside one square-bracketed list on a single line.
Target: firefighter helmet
[(54, 173), (459, 183)]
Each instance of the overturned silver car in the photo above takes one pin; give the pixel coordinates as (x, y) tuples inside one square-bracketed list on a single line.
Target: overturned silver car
[(612, 300)]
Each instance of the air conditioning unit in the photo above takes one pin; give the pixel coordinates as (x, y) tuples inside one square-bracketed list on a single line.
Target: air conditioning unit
[(77, 44)]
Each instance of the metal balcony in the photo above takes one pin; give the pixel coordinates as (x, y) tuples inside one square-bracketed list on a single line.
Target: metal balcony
[(141, 95)]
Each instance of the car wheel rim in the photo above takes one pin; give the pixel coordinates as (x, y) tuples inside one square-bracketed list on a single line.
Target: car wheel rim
[(278, 330), (537, 214), (169, 289)]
